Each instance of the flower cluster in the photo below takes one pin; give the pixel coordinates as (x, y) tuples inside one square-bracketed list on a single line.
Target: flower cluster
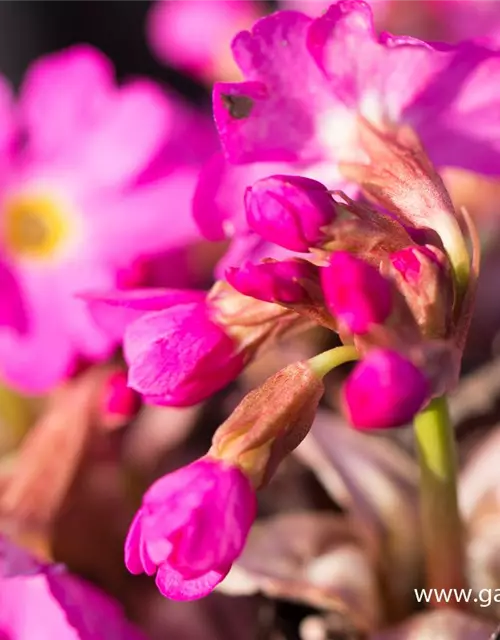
[(338, 218), (328, 194)]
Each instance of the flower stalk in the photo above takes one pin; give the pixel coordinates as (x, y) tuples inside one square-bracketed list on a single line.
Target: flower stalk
[(441, 525), (325, 362)]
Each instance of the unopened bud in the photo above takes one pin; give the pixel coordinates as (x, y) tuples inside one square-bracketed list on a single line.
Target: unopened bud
[(285, 282), (289, 211), (357, 295), (423, 277), (385, 390), (270, 422)]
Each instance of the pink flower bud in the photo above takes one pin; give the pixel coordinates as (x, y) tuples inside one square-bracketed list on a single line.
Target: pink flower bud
[(192, 525), (423, 277), (408, 262), (385, 390), (289, 210), (179, 356), (118, 402), (283, 282), (355, 292)]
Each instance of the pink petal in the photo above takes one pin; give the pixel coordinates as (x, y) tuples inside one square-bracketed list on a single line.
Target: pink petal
[(128, 135), (107, 134), (195, 35), (62, 95), (133, 560), (178, 356), (272, 116), (113, 311), (12, 305), (173, 585), (147, 220)]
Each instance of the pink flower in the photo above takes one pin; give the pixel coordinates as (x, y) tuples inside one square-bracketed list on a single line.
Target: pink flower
[(44, 601), (177, 353), (195, 35), (355, 292), (384, 390), (289, 210), (95, 179), (192, 525), (307, 80), (283, 282), (180, 356)]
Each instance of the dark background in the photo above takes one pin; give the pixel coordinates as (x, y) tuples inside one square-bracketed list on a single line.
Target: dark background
[(30, 28)]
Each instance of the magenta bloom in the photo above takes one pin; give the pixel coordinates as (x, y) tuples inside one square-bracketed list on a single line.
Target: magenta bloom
[(385, 390), (192, 525), (289, 210), (177, 353), (195, 35), (305, 83), (355, 292), (95, 179), (284, 281), (46, 602)]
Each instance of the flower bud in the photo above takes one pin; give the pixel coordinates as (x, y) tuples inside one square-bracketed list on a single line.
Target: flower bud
[(192, 525), (385, 390), (270, 422), (118, 403), (355, 292), (289, 211), (180, 356), (423, 277), (284, 282)]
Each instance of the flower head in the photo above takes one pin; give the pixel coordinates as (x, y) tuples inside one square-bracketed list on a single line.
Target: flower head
[(306, 83), (71, 608), (195, 36), (384, 390), (88, 173), (191, 526), (289, 210)]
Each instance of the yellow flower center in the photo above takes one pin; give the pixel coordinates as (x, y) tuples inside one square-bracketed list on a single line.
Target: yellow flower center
[(35, 226)]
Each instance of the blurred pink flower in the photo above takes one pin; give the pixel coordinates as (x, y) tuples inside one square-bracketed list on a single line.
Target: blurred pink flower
[(95, 178), (195, 35), (46, 602), (307, 80), (192, 525)]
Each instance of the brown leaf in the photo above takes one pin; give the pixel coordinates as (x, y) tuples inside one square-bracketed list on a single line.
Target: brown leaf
[(313, 558), (49, 457), (440, 625), (376, 482)]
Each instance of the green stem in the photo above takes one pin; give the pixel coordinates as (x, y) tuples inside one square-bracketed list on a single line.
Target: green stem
[(441, 524), (328, 360)]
